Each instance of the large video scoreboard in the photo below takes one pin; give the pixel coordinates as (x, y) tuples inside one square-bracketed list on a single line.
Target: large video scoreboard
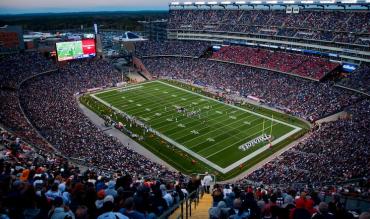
[(76, 49)]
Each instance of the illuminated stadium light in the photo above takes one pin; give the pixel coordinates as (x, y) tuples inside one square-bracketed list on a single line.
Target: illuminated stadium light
[(307, 2), (188, 3), (240, 2), (175, 3), (212, 3), (200, 3), (327, 2), (349, 1), (367, 1), (271, 2), (226, 3), (289, 2), (256, 2)]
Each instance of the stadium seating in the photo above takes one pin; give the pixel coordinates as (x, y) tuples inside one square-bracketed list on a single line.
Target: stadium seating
[(17, 67), (352, 27), (113, 176), (38, 184), (303, 98), (181, 48), (297, 64), (359, 79)]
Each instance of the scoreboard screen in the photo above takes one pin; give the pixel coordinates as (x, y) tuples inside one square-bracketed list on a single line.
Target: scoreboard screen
[(76, 49)]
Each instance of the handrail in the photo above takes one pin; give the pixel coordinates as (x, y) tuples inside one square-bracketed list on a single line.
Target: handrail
[(188, 200)]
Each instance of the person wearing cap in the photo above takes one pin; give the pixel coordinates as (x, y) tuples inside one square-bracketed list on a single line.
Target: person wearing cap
[(100, 199), (108, 212), (53, 192), (60, 211), (25, 174), (323, 212), (166, 196), (111, 189), (129, 210), (287, 206)]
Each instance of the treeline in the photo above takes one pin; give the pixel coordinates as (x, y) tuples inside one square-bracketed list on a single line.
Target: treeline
[(65, 21)]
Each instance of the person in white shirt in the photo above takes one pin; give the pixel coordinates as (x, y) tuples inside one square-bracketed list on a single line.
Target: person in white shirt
[(207, 180)]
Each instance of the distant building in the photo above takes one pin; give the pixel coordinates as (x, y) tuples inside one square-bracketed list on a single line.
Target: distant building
[(11, 38), (128, 37), (155, 30)]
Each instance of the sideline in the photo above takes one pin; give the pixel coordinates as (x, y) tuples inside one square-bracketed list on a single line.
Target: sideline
[(198, 156), (124, 139)]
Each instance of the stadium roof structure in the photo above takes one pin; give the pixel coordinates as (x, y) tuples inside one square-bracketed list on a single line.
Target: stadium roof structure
[(319, 3)]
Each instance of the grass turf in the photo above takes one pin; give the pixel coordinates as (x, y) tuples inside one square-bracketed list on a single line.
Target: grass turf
[(222, 128)]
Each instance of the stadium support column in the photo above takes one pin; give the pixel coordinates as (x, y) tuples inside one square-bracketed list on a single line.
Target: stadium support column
[(99, 47)]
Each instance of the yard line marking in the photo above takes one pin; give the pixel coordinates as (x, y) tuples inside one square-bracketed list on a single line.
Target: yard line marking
[(238, 141), (236, 107), (193, 146), (202, 158), (156, 105), (191, 121)]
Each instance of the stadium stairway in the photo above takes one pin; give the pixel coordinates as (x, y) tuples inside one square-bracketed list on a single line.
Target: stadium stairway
[(200, 212)]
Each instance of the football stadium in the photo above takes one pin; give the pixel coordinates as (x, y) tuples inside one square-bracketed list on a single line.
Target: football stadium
[(192, 109)]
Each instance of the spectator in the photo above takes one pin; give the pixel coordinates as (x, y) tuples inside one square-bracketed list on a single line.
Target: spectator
[(207, 180), (60, 210), (238, 212), (323, 212), (130, 211)]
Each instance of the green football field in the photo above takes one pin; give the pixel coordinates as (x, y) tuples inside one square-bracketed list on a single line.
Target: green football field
[(221, 135)]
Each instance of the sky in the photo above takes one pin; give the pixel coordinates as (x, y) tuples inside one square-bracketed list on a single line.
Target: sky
[(42, 6)]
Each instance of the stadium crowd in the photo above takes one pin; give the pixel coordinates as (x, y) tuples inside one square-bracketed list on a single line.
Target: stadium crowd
[(307, 24), (298, 64), (49, 103), (339, 149), (181, 48), (303, 98), (269, 202), (36, 184), (359, 79), (16, 67), (12, 117)]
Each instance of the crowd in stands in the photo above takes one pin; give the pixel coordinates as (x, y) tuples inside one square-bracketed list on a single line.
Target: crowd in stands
[(251, 202), (298, 64), (339, 149), (119, 183), (38, 185), (18, 66), (183, 48), (334, 26), (359, 79), (12, 117), (304, 98), (49, 103)]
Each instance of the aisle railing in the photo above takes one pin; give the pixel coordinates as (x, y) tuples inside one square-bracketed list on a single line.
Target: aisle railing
[(185, 205)]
